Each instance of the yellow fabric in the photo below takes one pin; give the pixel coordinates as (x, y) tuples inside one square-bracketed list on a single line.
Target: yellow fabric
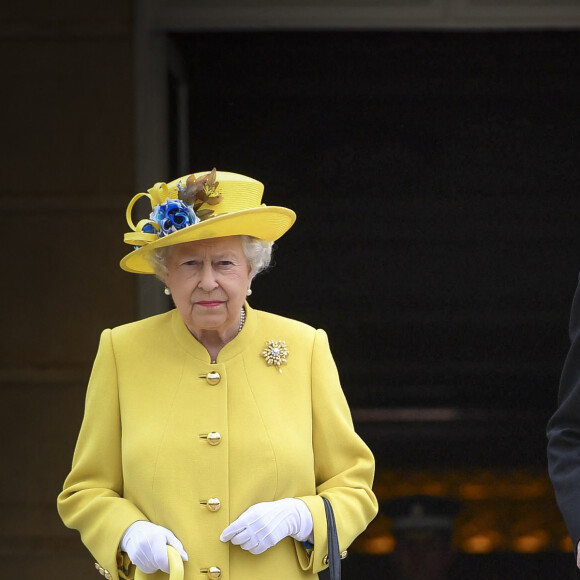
[(141, 454), (125, 568)]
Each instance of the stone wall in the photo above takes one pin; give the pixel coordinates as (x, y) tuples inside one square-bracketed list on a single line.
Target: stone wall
[(68, 170)]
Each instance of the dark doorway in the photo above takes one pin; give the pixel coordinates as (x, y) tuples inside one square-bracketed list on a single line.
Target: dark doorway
[(435, 177)]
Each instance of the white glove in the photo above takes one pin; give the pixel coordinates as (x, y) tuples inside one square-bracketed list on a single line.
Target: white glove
[(264, 524), (146, 545)]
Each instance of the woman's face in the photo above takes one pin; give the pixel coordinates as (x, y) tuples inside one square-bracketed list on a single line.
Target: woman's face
[(209, 280)]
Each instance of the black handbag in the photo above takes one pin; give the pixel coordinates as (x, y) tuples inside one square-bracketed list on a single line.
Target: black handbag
[(333, 549)]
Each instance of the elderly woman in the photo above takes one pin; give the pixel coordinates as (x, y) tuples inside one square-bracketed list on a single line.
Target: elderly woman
[(214, 428)]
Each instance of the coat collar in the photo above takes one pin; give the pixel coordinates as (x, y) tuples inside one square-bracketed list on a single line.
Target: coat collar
[(193, 347)]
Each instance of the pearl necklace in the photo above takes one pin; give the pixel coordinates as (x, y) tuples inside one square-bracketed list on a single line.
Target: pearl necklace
[(242, 319)]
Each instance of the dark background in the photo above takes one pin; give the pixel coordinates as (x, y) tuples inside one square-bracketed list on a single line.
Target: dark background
[(435, 178)]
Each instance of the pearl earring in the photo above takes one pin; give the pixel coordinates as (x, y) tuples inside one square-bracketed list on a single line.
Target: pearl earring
[(167, 291), (249, 292)]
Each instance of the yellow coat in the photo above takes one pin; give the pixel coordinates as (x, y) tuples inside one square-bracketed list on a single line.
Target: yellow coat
[(143, 451)]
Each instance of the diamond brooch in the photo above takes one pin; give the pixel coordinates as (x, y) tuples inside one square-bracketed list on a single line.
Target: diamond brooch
[(275, 353)]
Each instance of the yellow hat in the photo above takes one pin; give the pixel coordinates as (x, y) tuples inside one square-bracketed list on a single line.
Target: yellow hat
[(198, 207)]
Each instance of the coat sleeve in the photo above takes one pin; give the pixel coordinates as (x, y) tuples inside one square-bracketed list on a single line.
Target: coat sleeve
[(564, 432), (92, 498), (344, 466)]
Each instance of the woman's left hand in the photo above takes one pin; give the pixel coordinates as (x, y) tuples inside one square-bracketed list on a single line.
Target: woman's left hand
[(264, 524)]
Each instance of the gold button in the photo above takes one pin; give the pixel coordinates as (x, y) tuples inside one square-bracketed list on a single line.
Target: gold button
[(97, 566), (343, 555), (214, 438), (108, 575), (214, 572), (213, 378), (213, 504)]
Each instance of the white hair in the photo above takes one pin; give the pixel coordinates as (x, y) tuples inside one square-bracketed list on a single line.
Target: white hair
[(258, 253)]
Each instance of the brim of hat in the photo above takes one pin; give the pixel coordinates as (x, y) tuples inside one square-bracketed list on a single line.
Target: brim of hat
[(265, 223)]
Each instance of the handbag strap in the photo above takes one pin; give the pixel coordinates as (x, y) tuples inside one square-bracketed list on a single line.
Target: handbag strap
[(333, 549)]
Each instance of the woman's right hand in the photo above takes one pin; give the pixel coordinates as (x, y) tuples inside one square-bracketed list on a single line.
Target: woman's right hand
[(146, 545)]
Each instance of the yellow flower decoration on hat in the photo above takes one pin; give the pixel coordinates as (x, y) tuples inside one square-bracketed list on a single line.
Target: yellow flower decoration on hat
[(275, 353)]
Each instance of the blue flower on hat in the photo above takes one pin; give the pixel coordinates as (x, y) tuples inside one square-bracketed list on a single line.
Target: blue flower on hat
[(173, 215)]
